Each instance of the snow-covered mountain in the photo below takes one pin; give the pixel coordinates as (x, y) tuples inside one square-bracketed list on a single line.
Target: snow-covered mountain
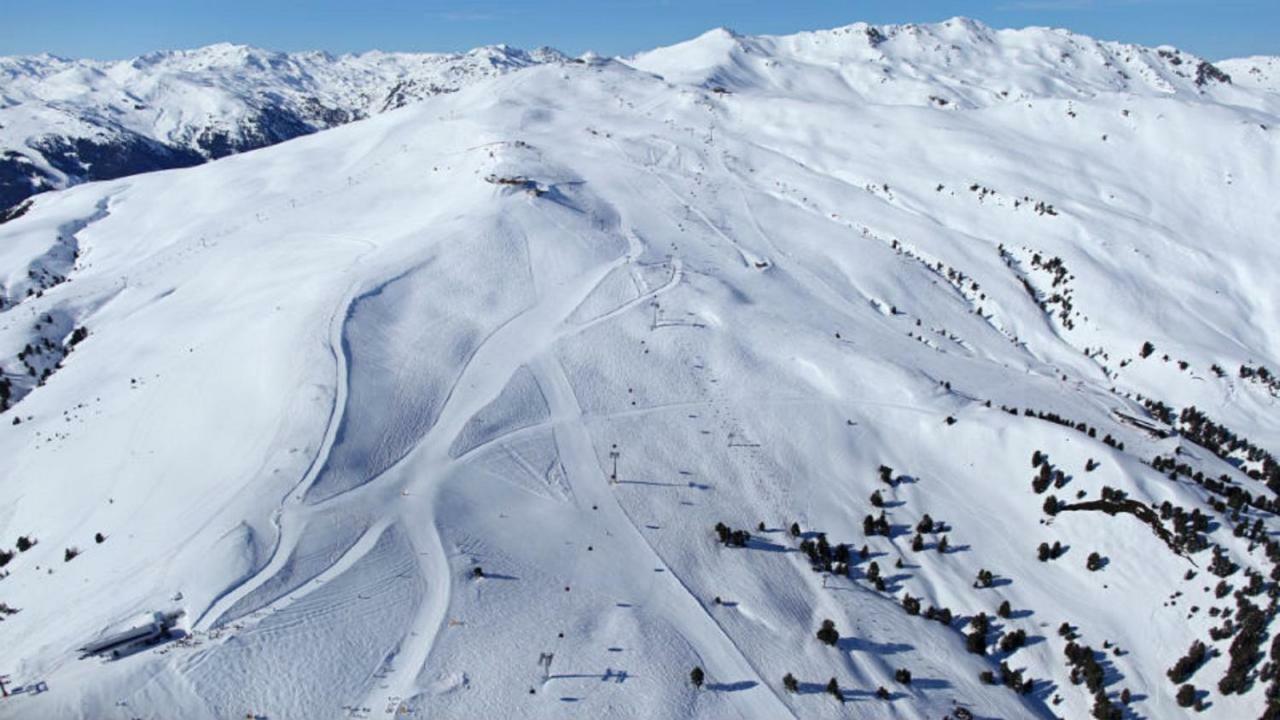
[(529, 399), (65, 121), (1261, 71), (959, 64)]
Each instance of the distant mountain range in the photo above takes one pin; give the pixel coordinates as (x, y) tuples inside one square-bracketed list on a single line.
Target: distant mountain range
[(67, 121)]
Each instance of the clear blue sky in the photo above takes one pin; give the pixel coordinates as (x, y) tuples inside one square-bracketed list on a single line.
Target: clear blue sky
[(123, 28)]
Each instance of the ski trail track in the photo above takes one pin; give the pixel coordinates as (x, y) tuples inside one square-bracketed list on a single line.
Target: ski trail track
[(405, 493), (679, 606)]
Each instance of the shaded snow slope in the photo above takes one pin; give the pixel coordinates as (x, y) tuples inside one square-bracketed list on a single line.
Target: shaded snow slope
[(556, 326)]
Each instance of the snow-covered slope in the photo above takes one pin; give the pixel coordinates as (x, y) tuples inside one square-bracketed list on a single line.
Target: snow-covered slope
[(63, 121), (957, 64), (393, 410), (1260, 71)]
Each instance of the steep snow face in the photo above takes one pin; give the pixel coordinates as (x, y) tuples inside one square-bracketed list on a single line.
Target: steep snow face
[(551, 365), (958, 64), (63, 121)]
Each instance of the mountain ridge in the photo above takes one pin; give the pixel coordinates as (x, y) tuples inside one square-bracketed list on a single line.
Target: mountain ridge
[(117, 120), (64, 121)]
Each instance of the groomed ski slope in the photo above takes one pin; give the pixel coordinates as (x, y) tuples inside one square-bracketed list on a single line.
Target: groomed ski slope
[(325, 381)]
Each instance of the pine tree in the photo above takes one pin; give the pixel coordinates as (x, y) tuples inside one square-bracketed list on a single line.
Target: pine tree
[(976, 640), (828, 633), (1012, 640), (1005, 610), (790, 683), (696, 677), (833, 688), (1104, 710), (925, 525), (911, 604), (722, 532)]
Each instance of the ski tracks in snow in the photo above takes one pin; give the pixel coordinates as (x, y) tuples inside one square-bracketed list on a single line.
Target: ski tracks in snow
[(722, 656), (406, 492)]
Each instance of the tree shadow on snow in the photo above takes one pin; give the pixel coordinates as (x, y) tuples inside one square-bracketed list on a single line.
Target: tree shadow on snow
[(758, 544), (930, 683), (893, 583), (733, 686), (853, 644), (1043, 690)]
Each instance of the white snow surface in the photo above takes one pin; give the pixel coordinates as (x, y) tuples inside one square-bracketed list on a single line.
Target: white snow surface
[(326, 380), (1259, 71)]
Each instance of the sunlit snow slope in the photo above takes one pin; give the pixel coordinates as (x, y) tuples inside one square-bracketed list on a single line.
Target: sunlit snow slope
[(355, 403)]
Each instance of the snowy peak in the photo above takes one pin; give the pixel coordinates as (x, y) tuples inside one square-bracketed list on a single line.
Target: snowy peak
[(64, 121), (959, 63), (1261, 72)]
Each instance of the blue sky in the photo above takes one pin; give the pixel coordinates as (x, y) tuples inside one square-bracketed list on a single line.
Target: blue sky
[(122, 28)]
